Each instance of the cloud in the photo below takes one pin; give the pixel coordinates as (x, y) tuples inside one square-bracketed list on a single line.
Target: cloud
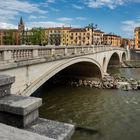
[(10, 9), (49, 24), (104, 3), (64, 19), (50, 1), (45, 24), (77, 7), (80, 18), (108, 3), (37, 17), (128, 26), (7, 26)]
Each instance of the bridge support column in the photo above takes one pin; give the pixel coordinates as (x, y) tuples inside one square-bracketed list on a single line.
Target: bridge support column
[(93, 49), (75, 51), (82, 49), (52, 51), (7, 55), (35, 53), (66, 51)]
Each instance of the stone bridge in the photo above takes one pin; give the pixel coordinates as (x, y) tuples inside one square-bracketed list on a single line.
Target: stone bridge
[(32, 66)]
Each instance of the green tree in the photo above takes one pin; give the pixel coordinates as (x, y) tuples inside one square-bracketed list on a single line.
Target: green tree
[(34, 36), (9, 38)]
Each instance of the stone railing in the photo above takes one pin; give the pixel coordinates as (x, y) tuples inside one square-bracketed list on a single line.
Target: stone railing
[(17, 53)]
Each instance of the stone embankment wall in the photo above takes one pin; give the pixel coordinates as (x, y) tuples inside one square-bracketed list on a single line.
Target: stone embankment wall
[(22, 112)]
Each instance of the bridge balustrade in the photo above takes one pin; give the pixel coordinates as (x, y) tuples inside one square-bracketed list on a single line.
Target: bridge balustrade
[(71, 51), (8, 53), (78, 50), (59, 51), (21, 54), (44, 52)]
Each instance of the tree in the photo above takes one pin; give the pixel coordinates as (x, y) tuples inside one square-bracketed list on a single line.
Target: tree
[(34, 36), (55, 39), (9, 39)]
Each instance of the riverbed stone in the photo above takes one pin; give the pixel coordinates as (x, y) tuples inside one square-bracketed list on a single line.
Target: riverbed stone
[(134, 85), (124, 85), (52, 129)]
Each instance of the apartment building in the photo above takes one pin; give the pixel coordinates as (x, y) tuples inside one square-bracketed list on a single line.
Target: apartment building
[(111, 39), (137, 38)]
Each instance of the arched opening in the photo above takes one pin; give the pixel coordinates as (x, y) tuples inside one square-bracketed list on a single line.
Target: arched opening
[(77, 71), (123, 57), (114, 60), (82, 69)]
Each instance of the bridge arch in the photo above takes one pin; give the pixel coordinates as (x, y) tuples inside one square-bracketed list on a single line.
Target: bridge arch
[(56, 69), (114, 59)]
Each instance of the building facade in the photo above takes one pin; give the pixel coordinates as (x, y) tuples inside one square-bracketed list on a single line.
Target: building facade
[(11, 36), (132, 43), (111, 39), (97, 37), (85, 36), (125, 42), (137, 38), (57, 36), (88, 35)]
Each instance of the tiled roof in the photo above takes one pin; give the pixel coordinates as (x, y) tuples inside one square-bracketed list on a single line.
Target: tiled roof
[(137, 28), (111, 35), (77, 30)]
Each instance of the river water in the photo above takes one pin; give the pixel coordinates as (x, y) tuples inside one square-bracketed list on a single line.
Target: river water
[(115, 114)]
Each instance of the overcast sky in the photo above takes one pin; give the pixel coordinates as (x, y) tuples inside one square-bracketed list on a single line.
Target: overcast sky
[(117, 16)]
